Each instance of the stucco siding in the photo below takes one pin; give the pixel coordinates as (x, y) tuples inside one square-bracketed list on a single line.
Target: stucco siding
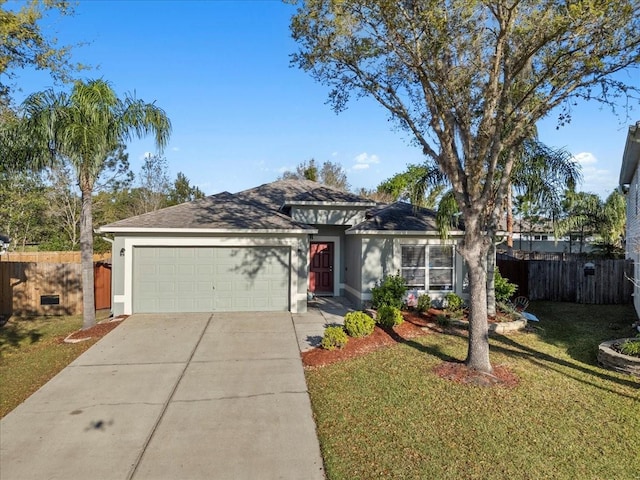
[(327, 216), (632, 249), (378, 261), (117, 276), (353, 272)]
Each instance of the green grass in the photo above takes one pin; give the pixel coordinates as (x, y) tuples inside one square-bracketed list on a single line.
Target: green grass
[(32, 352), (387, 415)]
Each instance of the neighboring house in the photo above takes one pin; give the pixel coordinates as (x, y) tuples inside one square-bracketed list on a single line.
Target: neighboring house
[(264, 248), (4, 243), (540, 237), (630, 186)]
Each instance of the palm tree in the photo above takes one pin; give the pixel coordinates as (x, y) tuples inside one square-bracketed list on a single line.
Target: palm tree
[(585, 214), (83, 128), (540, 175)]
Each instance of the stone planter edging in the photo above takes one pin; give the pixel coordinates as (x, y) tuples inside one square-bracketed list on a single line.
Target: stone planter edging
[(609, 358), (500, 327)]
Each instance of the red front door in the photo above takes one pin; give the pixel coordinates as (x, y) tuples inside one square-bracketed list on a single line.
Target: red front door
[(321, 271)]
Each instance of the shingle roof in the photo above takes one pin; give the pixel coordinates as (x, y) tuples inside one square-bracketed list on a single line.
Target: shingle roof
[(398, 216), (221, 211), (276, 194), (258, 208)]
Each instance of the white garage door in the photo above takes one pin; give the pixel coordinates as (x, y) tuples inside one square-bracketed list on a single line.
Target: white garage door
[(206, 279)]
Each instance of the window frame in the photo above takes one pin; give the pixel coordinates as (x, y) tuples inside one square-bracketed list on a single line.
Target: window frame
[(427, 268)]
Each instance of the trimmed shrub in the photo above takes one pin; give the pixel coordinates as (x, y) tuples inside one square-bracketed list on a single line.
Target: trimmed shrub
[(424, 303), (503, 288), (454, 302), (334, 337), (443, 320), (389, 316), (390, 291), (358, 324)]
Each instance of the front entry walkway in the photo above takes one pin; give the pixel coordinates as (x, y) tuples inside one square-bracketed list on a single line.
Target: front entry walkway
[(180, 396), (322, 312)]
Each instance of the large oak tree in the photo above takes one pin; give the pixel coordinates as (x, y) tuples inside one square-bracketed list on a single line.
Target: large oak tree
[(469, 79)]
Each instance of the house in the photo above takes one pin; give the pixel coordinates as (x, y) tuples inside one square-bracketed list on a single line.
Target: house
[(4, 243), (630, 186), (539, 237), (264, 248)]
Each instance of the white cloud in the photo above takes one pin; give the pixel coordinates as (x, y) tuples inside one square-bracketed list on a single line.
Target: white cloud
[(146, 155), (175, 149), (595, 179), (585, 158), (360, 166), (364, 161)]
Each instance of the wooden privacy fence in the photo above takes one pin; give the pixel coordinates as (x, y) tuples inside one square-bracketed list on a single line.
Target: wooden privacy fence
[(567, 281), (50, 257), (28, 288)]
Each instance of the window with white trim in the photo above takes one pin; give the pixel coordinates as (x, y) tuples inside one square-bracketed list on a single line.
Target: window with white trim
[(428, 267), (413, 266)]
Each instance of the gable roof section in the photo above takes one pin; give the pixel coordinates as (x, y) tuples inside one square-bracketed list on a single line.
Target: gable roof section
[(399, 218), (219, 213), (279, 194), (631, 155)]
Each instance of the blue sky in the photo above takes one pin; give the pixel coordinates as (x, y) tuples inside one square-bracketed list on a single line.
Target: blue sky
[(241, 114)]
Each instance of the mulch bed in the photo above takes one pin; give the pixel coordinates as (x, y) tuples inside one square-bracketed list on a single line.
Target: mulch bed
[(99, 330), (415, 325)]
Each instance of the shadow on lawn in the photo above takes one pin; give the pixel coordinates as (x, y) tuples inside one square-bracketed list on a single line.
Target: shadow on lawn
[(544, 360), (509, 346), (12, 335), (436, 351)]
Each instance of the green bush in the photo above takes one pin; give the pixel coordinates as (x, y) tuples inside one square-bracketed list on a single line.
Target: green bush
[(443, 320), (503, 288), (631, 347), (358, 324), (390, 291), (389, 316), (508, 310), (454, 302), (424, 303), (334, 337)]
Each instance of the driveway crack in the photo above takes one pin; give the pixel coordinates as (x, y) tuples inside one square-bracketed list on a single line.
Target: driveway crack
[(237, 397), (135, 466)]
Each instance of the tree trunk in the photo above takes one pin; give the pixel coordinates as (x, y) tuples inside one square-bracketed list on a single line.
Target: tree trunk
[(509, 209), (86, 256), (491, 284), (474, 251)]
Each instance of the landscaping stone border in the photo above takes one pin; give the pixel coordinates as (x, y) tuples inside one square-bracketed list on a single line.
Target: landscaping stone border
[(499, 327), (610, 358)]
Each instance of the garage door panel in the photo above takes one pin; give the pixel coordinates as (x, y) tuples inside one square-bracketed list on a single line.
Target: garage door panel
[(185, 269), (166, 269), (204, 269), (145, 270), (166, 288), (201, 279)]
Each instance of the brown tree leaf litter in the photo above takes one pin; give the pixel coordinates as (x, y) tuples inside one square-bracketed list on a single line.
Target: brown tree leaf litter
[(99, 330)]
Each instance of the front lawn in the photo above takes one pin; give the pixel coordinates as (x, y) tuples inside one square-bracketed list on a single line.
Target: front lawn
[(387, 415), (32, 352)]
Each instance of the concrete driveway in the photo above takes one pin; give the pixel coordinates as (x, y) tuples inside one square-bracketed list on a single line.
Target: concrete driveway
[(180, 396)]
